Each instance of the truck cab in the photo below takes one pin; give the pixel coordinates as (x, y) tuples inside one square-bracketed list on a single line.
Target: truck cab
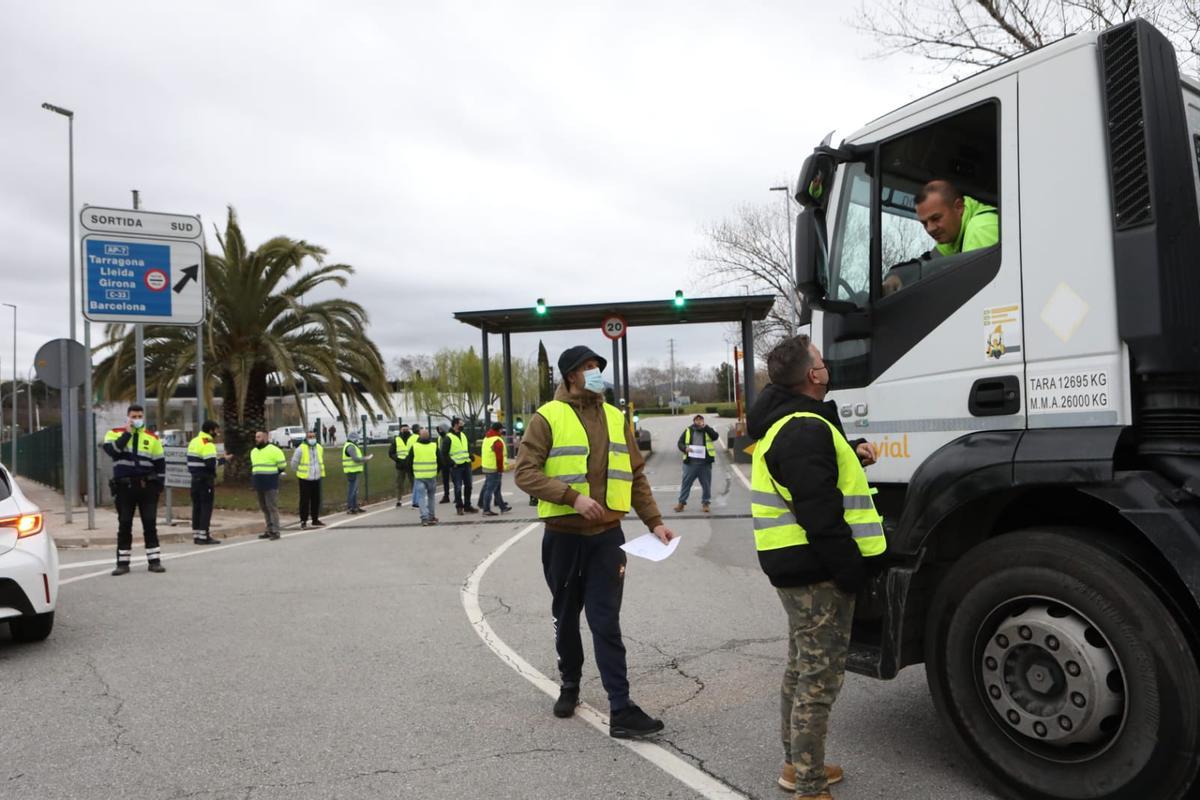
[(1035, 404)]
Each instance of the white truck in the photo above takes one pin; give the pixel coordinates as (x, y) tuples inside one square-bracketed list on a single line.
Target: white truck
[(1036, 407)]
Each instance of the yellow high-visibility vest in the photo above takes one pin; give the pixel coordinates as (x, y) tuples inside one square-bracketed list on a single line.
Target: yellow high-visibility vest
[(488, 456), (710, 447), (775, 526), (267, 460), (349, 465), (460, 452), (425, 459), (304, 448), (567, 459)]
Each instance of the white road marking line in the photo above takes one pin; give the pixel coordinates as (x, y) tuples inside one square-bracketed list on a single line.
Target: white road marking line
[(223, 547), (664, 759), (214, 548)]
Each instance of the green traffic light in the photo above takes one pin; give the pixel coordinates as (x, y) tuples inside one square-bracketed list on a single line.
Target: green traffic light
[(541, 307), (679, 301)]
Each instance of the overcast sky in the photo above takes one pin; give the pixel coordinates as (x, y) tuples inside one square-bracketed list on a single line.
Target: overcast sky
[(460, 155)]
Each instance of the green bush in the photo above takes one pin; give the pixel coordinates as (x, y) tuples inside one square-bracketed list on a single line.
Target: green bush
[(711, 409)]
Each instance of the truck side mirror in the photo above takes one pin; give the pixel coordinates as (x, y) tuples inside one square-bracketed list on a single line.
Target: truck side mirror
[(811, 264)]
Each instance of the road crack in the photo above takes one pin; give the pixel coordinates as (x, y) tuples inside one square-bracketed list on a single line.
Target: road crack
[(113, 718)]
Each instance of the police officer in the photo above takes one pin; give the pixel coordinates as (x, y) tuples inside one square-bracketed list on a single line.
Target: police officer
[(580, 459), (456, 451), (202, 464), (398, 452), (138, 469), (815, 524)]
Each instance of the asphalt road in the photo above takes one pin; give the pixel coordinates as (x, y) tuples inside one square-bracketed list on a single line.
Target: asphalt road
[(344, 664)]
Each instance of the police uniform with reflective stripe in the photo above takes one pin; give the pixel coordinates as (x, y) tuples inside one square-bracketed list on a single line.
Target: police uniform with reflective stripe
[(776, 527), (202, 464), (138, 468)]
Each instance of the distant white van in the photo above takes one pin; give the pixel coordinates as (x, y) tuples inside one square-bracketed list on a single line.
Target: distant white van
[(287, 436)]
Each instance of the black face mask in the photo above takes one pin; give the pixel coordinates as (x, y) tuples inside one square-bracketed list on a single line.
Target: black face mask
[(260, 445)]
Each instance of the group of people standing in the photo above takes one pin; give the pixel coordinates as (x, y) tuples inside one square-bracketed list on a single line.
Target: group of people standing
[(814, 521), (419, 457)]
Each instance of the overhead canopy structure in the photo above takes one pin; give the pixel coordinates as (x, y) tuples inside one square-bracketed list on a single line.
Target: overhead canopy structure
[(744, 309), (636, 314)]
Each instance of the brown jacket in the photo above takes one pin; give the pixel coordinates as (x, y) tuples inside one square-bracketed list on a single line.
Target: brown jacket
[(531, 460)]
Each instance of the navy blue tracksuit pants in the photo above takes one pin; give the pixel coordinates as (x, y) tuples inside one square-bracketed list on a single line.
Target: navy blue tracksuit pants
[(587, 573)]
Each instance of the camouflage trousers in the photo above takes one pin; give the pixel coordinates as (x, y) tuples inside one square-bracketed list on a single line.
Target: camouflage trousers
[(819, 618)]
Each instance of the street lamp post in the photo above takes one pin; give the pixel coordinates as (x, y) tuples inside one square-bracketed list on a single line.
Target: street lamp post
[(14, 391), (69, 397), (787, 218)]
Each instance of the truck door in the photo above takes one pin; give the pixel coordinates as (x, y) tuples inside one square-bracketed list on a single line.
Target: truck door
[(935, 349)]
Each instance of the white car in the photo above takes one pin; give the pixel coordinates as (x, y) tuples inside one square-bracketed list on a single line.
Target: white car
[(28, 565), (287, 436)]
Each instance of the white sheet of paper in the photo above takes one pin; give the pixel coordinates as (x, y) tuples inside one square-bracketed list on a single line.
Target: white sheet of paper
[(649, 547), (696, 450)]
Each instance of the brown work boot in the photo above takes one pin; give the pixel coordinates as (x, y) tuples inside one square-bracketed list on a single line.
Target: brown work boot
[(787, 778), (821, 796), (680, 506)]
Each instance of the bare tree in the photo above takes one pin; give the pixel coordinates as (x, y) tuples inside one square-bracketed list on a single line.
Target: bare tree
[(749, 252), (983, 33)]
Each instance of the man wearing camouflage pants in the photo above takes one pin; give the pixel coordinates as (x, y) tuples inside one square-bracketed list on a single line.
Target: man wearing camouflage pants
[(815, 523)]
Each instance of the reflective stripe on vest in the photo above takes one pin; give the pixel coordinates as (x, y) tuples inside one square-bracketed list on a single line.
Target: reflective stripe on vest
[(402, 446), (267, 460), (200, 449), (568, 458), (349, 465), (304, 459), (710, 448), (487, 456), (775, 525), (459, 450), (425, 461)]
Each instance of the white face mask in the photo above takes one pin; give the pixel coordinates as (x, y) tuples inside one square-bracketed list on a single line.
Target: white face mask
[(593, 380), (311, 440), (137, 423)]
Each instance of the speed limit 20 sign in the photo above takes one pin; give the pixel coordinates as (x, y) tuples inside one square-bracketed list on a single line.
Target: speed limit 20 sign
[(613, 327)]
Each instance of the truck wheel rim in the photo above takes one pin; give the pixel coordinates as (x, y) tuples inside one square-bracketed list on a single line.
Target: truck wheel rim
[(1051, 678)]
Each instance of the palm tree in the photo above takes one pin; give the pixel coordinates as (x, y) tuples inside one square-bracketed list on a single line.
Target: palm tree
[(259, 325)]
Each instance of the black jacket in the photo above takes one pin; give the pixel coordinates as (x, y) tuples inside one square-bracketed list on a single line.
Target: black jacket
[(401, 463), (802, 458), (685, 439)]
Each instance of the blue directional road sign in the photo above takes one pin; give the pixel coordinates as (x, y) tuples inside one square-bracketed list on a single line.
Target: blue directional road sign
[(129, 276)]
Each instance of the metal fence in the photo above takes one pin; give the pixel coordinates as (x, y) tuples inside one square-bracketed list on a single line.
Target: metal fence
[(39, 456)]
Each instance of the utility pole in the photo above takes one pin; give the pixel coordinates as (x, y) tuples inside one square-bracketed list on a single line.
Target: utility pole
[(139, 348), (671, 344)]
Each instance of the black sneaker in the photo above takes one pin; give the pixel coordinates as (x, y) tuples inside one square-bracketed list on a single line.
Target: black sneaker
[(444, 500), (631, 722), (274, 537), (265, 535), (206, 540), (156, 566), (568, 698), (316, 523), (505, 509), (303, 525), (489, 513), (122, 569)]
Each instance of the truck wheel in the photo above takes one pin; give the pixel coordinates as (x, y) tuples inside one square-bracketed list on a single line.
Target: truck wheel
[(1063, 674), (33, 628)]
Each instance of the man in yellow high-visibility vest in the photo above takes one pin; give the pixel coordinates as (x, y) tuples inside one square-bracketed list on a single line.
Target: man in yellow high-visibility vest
[(580, 459), (815, 524), (456, 455)]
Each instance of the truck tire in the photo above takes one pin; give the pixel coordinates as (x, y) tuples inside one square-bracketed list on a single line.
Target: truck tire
[(33, 628), (1062, 673)]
